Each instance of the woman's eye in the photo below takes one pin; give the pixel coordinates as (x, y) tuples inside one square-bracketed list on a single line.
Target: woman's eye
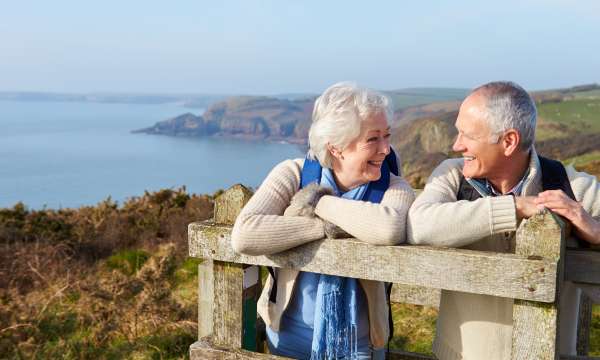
[(387, 136), (371, 139)]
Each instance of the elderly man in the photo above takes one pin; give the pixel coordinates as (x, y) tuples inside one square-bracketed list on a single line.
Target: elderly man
[(476, 202)]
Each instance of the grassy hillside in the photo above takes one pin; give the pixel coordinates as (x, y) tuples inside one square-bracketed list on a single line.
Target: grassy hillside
[(570, 116)]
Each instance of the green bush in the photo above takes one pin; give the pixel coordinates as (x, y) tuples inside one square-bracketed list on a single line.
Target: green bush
[(127, 261)]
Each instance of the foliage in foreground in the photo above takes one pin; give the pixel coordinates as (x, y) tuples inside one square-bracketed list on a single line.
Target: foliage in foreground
[(115, 282), (100, 282)]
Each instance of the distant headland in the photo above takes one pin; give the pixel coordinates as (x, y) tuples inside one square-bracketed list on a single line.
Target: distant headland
[(422, 128)]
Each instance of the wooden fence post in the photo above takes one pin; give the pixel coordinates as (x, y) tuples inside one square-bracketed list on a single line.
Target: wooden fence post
[(234, 302), (535, 324)]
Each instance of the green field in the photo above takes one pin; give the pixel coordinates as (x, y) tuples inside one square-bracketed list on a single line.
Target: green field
[(579, 115), (420, 96), (588, 94)]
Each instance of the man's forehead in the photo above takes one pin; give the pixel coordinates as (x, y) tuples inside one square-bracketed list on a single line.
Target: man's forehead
[(474, 105), (472, 113)]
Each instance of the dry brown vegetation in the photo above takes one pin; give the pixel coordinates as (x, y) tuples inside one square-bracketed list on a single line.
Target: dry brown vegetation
[(100, 282)]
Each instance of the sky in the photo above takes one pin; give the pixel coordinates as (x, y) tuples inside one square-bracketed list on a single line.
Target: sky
[(274, 47)]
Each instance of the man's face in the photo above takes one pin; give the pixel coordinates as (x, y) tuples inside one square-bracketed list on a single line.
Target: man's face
[(483, 154)]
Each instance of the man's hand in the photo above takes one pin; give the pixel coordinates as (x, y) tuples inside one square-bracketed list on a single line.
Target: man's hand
[(586, 227), (526, 207)]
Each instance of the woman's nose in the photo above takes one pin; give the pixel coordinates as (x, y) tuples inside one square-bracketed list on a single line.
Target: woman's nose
[(385, 146)]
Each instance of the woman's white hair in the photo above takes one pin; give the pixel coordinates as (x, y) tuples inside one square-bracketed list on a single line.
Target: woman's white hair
[(509, 106), (337, 118)]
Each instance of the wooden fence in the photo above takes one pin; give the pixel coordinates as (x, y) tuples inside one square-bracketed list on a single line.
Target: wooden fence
[(229, 283)]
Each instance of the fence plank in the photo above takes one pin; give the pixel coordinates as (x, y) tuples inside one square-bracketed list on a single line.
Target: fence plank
[(205, 349), (584, 322), (205, 298), (228, 303), (416, 295), (583, 266), (535, 325), (506, 275)]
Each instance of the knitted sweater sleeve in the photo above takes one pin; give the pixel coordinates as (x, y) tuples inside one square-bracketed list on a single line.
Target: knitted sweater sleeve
[(377, 224), (587, 191), (437, 218), (261, 228)]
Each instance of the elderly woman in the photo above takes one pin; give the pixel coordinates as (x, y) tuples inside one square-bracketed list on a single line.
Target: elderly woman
[(360, 191)]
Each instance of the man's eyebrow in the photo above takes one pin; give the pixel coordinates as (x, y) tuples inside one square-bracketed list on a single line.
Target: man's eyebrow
[(376, 130)]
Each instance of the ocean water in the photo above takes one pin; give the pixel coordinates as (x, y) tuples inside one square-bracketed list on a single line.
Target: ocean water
[(60, 154)]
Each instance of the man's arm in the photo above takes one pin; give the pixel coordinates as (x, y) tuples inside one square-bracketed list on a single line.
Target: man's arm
[(437, 218)]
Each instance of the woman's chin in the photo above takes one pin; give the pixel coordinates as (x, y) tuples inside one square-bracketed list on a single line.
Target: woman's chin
[(374, 176)]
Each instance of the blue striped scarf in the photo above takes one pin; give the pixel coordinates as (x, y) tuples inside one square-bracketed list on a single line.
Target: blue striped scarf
[(336, 310)]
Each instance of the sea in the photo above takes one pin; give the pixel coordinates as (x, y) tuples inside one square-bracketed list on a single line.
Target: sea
[(72, 154)]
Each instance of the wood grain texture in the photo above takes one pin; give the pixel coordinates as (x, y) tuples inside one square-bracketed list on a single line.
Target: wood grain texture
[(584, 322), (229, 204), (205, 298), (416, 295), (506, 275), (583, 266), (205, 349), (535, 324), (228, 302)]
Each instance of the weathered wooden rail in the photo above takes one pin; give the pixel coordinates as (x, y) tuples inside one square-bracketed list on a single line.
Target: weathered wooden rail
[(229, 283)]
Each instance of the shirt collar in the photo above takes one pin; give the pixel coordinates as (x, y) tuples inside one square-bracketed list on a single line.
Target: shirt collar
[(485, 188)]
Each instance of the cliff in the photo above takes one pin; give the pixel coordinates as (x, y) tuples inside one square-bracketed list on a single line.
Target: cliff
[(253, 117)]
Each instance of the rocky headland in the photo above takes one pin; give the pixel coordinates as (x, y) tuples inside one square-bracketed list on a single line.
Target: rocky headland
[(568, 125), (248, 117)]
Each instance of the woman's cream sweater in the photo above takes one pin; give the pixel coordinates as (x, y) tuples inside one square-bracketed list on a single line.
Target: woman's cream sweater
[(261, 229)]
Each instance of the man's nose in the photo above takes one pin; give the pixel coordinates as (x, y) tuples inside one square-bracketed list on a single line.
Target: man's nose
[(458, 145)]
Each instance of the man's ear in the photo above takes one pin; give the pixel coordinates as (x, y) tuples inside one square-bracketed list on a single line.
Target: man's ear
[(335, 152), (510, 141)]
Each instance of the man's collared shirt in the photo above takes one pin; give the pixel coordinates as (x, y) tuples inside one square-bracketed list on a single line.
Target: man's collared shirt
[(485, 188)]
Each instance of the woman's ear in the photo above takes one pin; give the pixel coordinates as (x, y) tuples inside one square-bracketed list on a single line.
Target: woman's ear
[(335, 152), (511, 140)]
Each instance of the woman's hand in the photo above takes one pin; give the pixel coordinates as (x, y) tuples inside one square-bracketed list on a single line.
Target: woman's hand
[(303, 204), (304, 201), (586, 227), (332, 231)]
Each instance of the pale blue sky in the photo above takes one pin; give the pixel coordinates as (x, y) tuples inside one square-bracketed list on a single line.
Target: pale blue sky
[(265, 47)]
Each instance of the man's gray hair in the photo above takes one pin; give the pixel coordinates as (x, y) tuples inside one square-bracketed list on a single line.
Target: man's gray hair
[(337, 117), (509, 106)]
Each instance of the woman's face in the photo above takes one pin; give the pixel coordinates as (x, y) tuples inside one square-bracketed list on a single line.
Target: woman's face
[(360, 162)]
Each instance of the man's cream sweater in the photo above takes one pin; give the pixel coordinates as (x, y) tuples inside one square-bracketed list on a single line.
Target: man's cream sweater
[(476, 327), (260, 229)]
